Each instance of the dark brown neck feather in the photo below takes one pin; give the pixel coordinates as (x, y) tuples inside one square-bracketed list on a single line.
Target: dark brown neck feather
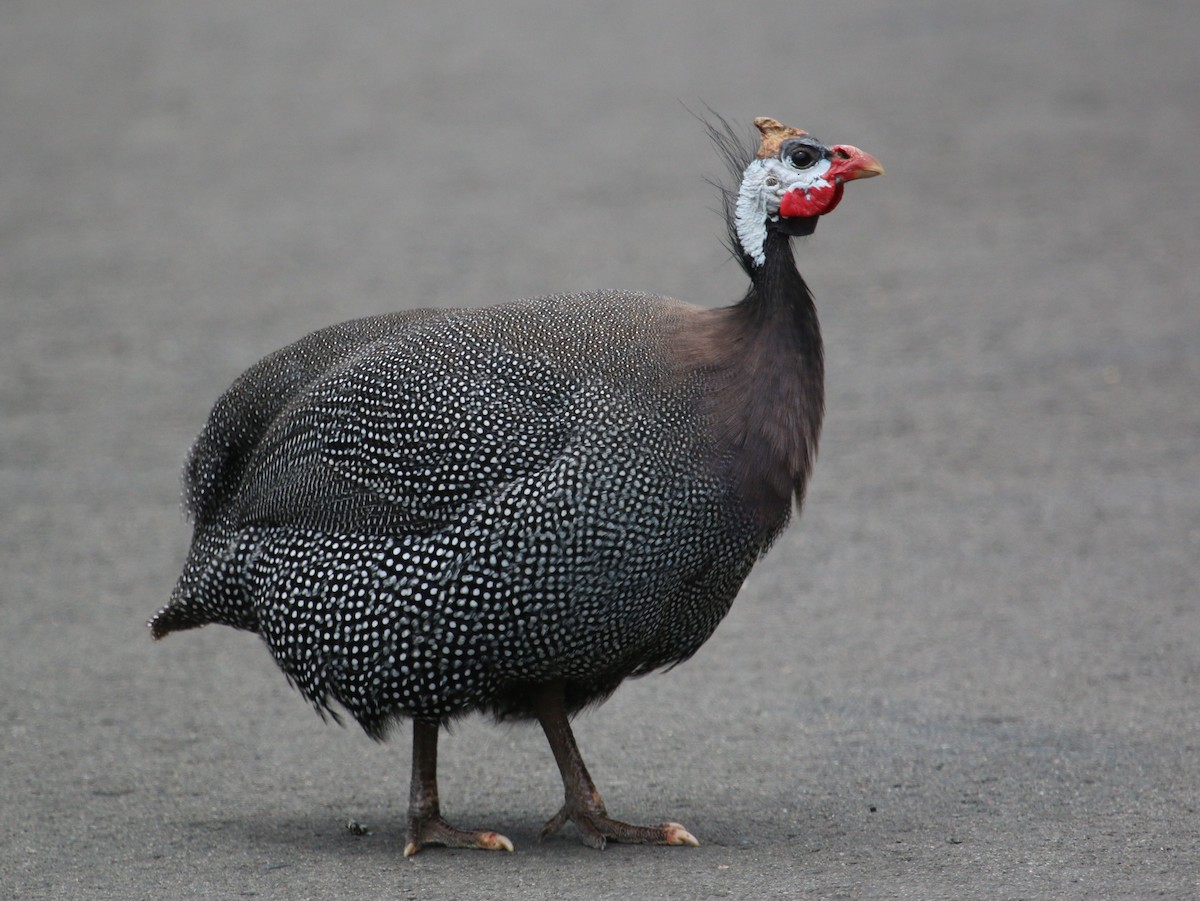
[(766, 375)]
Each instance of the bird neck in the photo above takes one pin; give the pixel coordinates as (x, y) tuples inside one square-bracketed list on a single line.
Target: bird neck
[(779, 302), (768, 395)]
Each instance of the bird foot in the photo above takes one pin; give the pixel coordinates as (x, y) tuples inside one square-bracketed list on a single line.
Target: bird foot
[(596, 829), (436, 831)]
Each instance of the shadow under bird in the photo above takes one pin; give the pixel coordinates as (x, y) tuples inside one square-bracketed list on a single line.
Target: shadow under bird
[(514, 509)]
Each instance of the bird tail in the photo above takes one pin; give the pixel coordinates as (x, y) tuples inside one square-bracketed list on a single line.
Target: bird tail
[(210, 588), (176, 616)]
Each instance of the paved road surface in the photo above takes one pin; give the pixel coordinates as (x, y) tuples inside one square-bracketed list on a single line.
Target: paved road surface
[(970, 671)]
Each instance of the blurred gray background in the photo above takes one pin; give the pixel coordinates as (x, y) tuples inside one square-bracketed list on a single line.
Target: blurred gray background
[(969, 671)]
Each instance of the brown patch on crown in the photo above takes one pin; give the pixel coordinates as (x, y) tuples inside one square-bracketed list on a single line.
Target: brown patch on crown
[(774, 134)]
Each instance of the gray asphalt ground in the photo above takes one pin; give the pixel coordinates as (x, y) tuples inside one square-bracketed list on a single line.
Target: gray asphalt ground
[(970, 671)]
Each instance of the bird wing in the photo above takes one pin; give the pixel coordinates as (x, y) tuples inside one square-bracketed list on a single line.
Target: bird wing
[(217, 462), (383, 426)]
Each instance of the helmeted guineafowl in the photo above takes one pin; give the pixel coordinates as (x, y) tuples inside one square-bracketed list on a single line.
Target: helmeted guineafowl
[(514, 509)]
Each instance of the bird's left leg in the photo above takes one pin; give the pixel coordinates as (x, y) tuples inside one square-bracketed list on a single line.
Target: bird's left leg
[(425, 823), (583, 805)]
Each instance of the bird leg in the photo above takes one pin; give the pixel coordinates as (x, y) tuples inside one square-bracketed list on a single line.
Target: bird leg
[(425, 823), (583, 805)]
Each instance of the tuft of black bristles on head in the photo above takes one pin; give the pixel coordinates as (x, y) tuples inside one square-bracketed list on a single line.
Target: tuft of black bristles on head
[(736, 153)]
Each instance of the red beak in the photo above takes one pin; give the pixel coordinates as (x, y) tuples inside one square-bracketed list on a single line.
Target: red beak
[(849, 163)]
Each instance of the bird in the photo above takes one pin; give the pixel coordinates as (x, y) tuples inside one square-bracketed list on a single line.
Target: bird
[(509, 510)]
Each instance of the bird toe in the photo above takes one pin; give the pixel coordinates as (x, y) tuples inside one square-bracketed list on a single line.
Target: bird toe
[(675, 834), (439, 832)]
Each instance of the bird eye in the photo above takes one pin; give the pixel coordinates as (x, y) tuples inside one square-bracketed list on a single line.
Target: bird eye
[(801, 155)]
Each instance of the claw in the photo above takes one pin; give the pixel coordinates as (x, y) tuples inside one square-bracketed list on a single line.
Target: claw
[(494, 841), (675, 834)]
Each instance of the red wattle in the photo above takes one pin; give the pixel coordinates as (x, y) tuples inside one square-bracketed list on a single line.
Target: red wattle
[(816, 201)]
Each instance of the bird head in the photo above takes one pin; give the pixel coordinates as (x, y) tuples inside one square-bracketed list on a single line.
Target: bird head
[(792, 181)]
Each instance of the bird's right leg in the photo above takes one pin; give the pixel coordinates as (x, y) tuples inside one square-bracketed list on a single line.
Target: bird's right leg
[(425, 823), (583, 805)]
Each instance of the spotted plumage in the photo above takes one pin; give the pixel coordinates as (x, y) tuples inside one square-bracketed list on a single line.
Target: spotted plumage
[(510, 509), (445, 507)]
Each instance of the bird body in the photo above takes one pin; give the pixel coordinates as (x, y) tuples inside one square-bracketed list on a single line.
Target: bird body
[(442, 508), (509, 509)]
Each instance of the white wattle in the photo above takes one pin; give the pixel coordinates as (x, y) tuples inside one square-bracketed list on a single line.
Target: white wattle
[(750, 214)]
